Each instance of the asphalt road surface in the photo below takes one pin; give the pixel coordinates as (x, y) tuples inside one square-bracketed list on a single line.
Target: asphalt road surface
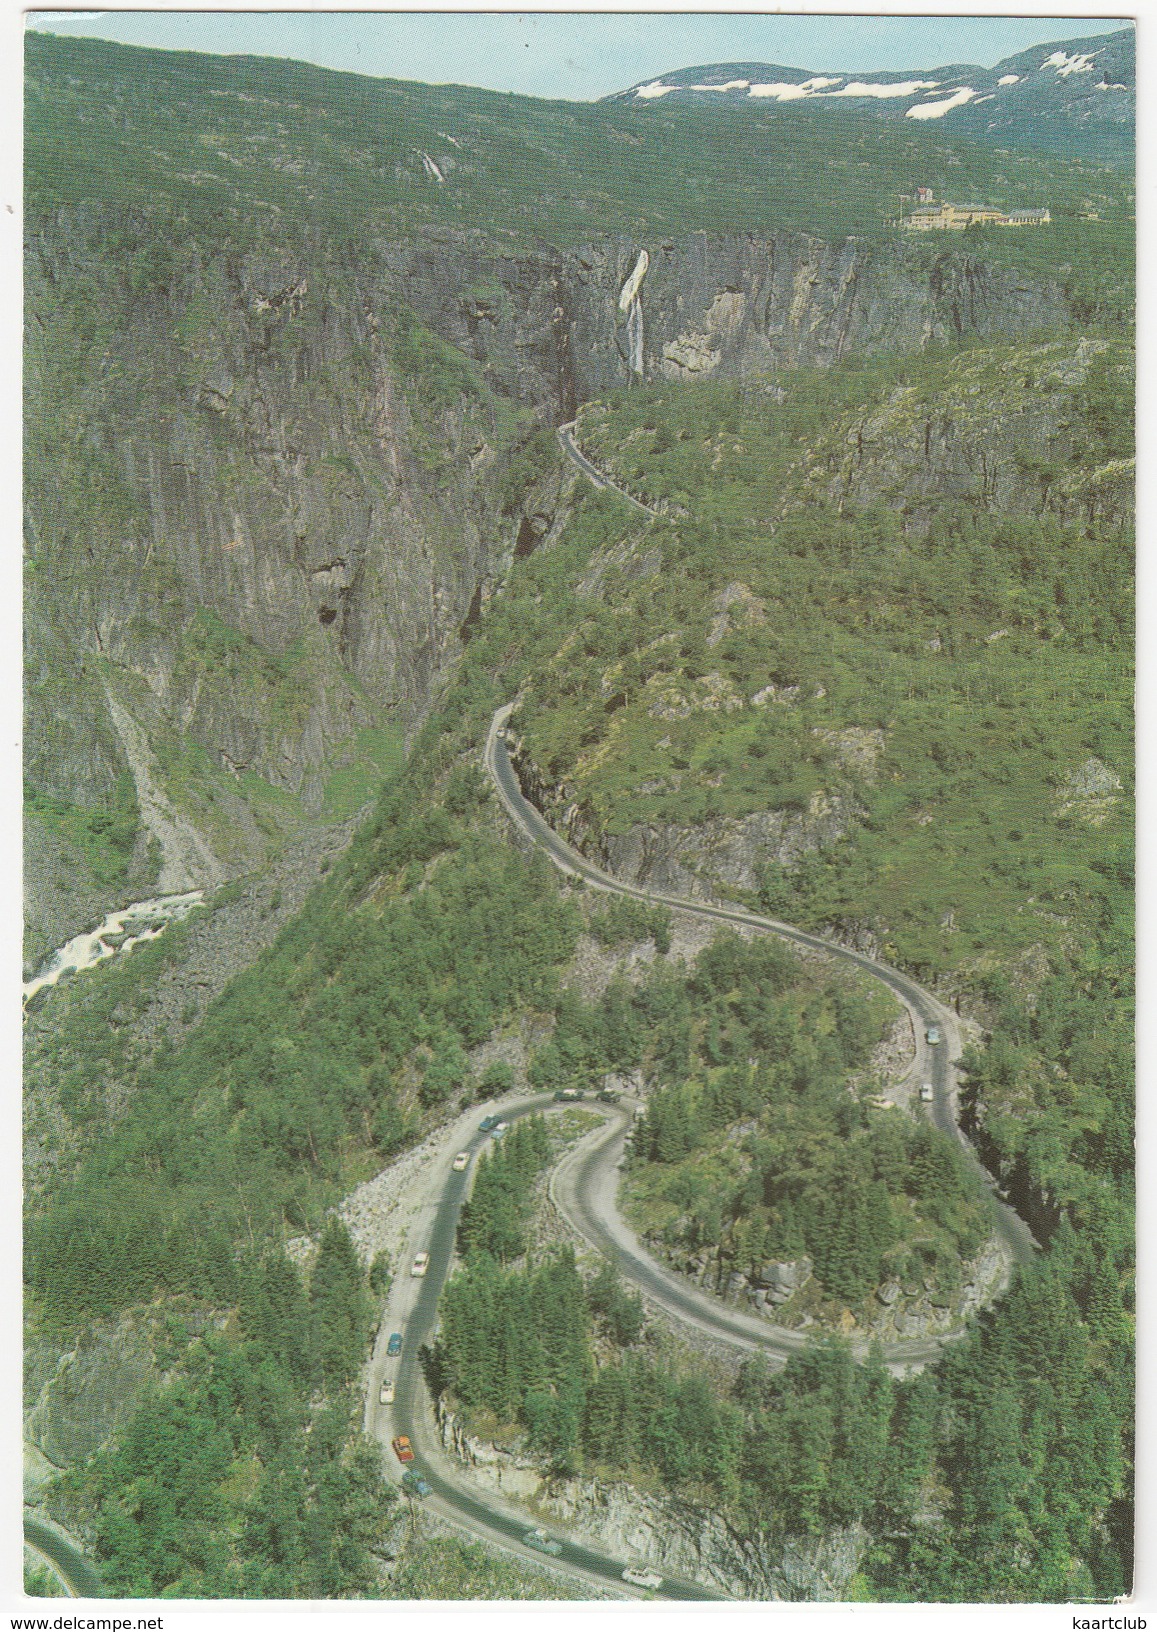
[(584, 1186), (934, 1063), (571, 448), (412, 1308), (78, 1571)]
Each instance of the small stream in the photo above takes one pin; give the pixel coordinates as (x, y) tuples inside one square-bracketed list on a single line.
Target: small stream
[(122, 929)]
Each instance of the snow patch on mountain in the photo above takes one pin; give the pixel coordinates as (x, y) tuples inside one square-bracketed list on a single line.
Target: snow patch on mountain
[(1079, 63), (937, 110), (1032, 98), (901, 87), (781, 92)]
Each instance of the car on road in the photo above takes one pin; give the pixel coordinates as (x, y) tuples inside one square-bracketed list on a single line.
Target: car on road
[(609, 1096), (932, 1035), (461, 1162), (414, 1485), (926, 1092), (499, 1129), (569, 1095), (403, 1450), (386, 1392), (421, 1264), (394, 1346), (487, 1123), (542, 1543), (642, 1578)]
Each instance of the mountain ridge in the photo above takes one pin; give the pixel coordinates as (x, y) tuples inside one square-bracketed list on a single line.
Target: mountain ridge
[(1084, 101)]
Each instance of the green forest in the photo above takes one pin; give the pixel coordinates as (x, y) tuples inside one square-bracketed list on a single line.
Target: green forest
[(241, 1477), (1018, 1430)]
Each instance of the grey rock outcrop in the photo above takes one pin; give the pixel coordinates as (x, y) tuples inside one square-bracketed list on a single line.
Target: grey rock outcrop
[(707, 861), (922, 449), (669, 1535), (779, 1281)]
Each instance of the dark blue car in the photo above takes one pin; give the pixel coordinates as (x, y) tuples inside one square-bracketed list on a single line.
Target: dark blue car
[(394, 1346), (487, 1123)]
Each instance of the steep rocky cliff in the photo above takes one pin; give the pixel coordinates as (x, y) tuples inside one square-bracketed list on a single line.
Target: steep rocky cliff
[(269, 488), (1014, 429), (732, 304), (262, 503)]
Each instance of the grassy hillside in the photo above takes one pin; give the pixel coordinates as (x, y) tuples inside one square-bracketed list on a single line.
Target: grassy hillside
[(948, 674), (956, 670), (248, 144)]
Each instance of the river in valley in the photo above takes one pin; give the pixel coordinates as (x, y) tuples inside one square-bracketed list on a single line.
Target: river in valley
[(120, 930)]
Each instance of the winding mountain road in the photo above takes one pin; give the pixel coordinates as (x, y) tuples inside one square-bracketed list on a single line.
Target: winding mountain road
[(597, 477), (933, 1064), (583, 1188), (412, 1310)]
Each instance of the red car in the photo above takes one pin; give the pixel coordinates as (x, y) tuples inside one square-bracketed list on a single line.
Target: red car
[(403, 1450)]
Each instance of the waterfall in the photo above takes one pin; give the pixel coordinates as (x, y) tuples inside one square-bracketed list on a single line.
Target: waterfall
[(635, 337), (630, 303)]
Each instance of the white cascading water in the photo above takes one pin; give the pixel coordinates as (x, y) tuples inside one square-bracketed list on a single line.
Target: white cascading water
[(635, 337), (630, 303), (143, 921)]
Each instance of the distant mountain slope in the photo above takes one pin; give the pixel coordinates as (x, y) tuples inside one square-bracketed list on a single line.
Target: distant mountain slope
[(244, 145), (1075, 97)]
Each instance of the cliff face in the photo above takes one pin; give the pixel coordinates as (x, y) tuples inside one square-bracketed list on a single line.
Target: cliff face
[(243, 442), (1003, 432), (731, 305), (261, 502), (267, 491), (676, 1537)]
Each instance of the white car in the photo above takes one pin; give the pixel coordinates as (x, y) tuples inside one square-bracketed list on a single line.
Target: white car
[(499, 1129), (386, 1392), (926, 1092), (421, 1264), (647, 1579), (461, 1162)]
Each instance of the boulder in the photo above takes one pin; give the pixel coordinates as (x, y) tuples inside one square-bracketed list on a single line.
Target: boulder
[(785, 1278)]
